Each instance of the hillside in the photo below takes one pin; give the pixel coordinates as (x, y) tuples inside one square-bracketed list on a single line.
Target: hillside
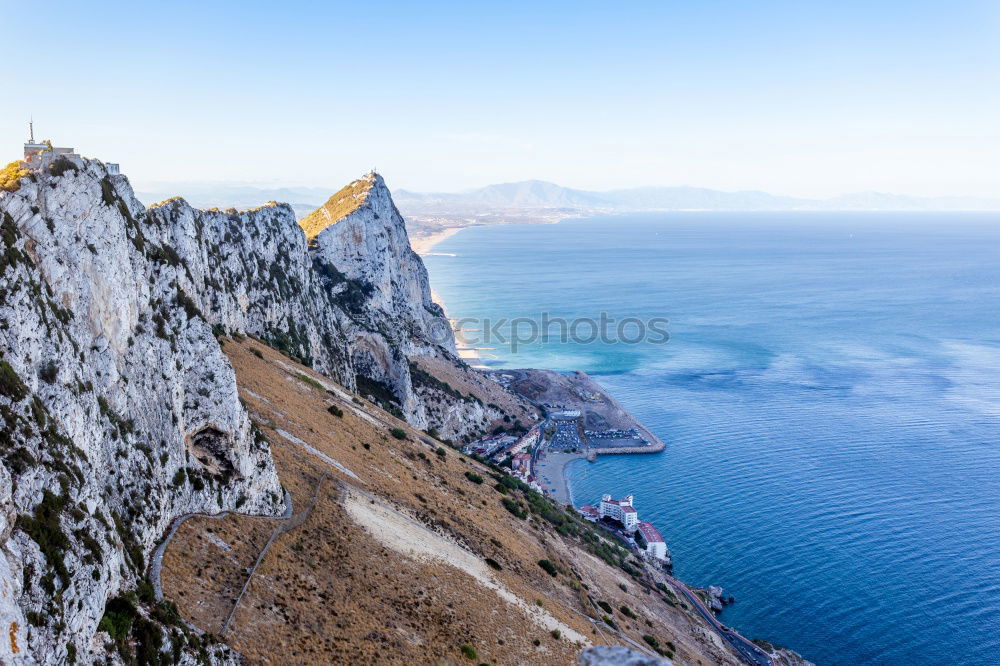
[(119, 411), (344, 202), (389, 563)]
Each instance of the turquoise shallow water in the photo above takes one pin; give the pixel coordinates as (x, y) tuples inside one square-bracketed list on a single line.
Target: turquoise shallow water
[(829, 398)]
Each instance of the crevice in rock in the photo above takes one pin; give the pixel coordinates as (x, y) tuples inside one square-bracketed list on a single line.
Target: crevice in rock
[(211, 447)]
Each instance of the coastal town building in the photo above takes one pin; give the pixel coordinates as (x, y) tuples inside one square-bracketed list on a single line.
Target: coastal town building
[(527, 441), (589, 512), (651, 541), (520, 465), (620, 510)]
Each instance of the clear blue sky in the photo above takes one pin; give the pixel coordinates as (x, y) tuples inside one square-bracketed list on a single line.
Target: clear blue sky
[(803, 98)]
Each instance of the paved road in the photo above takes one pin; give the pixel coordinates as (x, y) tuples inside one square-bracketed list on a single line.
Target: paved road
[(748, 651)]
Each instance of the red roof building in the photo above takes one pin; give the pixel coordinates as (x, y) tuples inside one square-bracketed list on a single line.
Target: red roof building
[(652, 540)]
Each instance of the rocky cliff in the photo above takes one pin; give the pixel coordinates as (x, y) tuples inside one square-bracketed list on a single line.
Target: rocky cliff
[(119, 413), (119, 410)]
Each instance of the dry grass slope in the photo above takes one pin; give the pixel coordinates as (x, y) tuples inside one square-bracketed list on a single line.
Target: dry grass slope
[(344, 202), (390, 566)]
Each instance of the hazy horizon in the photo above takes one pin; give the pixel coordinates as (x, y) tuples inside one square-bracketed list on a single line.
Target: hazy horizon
[(248, 193)]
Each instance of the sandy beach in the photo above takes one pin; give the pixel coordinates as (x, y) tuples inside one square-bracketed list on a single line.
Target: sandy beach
[(550, 471), (422, 244)]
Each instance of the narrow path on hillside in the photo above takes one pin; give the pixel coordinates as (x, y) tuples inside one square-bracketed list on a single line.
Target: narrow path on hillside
[(290, 524), (156, 562)]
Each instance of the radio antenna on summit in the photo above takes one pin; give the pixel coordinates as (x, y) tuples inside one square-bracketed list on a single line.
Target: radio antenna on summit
[(31, 130)]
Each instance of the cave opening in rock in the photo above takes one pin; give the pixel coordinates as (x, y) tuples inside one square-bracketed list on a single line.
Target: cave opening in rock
[(211, 447)]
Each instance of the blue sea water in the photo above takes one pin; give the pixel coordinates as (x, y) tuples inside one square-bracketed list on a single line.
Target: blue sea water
[(829, 397)]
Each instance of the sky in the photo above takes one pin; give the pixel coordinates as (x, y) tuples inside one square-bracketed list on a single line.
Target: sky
[(801, 98)]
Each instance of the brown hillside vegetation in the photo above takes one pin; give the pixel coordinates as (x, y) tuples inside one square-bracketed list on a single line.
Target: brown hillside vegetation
[(402, 551), (344, 202)]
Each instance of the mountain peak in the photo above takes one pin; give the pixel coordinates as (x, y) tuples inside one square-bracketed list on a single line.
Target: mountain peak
[(344, 202)]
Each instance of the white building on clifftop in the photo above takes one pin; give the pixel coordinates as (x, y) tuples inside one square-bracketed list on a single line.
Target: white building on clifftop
[(40, 154)]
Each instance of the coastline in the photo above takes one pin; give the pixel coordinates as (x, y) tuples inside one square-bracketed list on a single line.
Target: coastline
[(422, 245), (552, 477), (551, 466), (551, 470)]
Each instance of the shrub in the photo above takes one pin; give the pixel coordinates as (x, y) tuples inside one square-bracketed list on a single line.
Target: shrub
[(651, 640), (61, 165), (398, 433), (256, 352), (309, 380), (605, 606), (475, 478), (179, 478), (627, 612), (468, 651), (107, 192), (556, 634), (608, 621), (10, 384), (45, 529), (49, 372), (515, 508), (11, 175), (441, 453), (144, 590), (336, 411), (493, 563), (549, 567), (119, 615)]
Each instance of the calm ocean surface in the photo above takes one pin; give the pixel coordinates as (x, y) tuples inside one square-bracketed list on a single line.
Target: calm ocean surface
[(830, 401)]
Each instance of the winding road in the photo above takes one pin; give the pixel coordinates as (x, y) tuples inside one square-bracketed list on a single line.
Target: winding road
[(750, 653), (288, 523), (156, 562)]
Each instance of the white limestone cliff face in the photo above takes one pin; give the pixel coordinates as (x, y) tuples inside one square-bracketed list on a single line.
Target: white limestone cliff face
[(354, 303), (370, 244), (119, 412), (118, 409)]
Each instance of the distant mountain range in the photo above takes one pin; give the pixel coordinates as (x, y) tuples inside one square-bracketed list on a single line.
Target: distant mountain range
[(541, 194), (538, 194)]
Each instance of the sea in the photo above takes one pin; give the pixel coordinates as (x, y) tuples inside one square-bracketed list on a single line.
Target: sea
[(829, 397)]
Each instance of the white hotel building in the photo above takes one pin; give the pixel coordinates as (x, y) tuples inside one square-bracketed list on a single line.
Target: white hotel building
[(621, 510)]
